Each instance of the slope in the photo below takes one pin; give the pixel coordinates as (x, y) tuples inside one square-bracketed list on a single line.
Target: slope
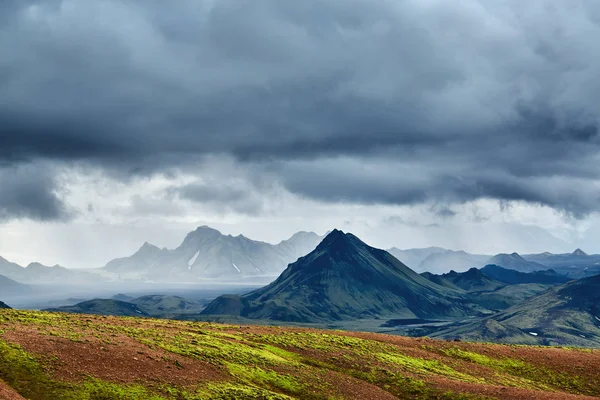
[(343, 279), (46, 356)]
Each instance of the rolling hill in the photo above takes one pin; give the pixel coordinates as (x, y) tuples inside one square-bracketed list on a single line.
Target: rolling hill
[(103, 307), (158, 306), (46, 356), (4, 305), (566, 315), (344, 279), (207, 254)]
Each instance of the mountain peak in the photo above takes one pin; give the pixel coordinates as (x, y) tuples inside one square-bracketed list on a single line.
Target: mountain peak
[(579, 252), (336, 240)]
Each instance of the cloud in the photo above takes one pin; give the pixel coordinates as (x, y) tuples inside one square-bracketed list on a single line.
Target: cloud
[(31, 191), (364, 102)]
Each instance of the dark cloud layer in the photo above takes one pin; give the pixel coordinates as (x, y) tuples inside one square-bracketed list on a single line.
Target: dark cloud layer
[(29, 192), (398, 102)]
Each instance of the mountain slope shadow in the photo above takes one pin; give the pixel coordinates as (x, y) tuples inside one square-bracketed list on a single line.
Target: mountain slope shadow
[(345, 279)]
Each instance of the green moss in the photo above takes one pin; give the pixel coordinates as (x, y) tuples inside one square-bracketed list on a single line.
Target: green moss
[(270, 379), (422, 366), (528, 375), (28, 377)]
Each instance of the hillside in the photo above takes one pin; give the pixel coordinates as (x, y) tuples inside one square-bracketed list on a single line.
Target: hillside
[(3, 305), (567, 315), (205, 253), (46, 356), (345, 279)]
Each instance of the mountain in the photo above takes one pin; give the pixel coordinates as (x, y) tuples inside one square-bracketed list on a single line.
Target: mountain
[(460, 261), (157, 306), (566, 315), (412, 258), (513, 277), (103, 307), (576, 265), (516, 262), (207, 254), (167, 306), (345, 279), (11, 287), (472, 280), (4, 305), (36, 273)]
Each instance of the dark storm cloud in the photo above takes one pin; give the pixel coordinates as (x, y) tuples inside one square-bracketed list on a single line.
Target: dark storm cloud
[(397, 102), (29, 191)]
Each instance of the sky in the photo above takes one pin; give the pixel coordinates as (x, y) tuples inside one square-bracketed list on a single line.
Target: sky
[(469, 125)]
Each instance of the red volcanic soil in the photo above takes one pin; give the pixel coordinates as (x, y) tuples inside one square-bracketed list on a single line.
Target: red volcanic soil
[(318, 363)]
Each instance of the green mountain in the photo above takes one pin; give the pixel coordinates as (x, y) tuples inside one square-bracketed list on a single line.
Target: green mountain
[(563, 315), (345, 279), (103, 307)]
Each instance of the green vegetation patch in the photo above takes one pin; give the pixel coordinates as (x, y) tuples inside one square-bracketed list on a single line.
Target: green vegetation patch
[(421, 366), (28, 377), (271, 379), (528, 375)]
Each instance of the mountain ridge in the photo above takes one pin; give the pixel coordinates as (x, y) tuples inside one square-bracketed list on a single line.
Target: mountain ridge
[(344, 278)]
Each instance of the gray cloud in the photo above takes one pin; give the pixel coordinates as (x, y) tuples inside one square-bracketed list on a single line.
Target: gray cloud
[(386, 102), (30, 191)]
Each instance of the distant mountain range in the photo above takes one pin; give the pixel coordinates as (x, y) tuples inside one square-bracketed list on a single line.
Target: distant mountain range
[(207, 254), (3, 305), (344, 279), (41, 274)]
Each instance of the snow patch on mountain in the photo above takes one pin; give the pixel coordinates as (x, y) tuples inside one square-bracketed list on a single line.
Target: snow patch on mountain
[(193, 260), (236, 267)]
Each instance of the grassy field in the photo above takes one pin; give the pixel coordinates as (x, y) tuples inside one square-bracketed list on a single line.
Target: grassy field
[(70, 356)]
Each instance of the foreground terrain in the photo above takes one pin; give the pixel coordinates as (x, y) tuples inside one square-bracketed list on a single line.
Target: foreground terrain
[(69, 356)]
